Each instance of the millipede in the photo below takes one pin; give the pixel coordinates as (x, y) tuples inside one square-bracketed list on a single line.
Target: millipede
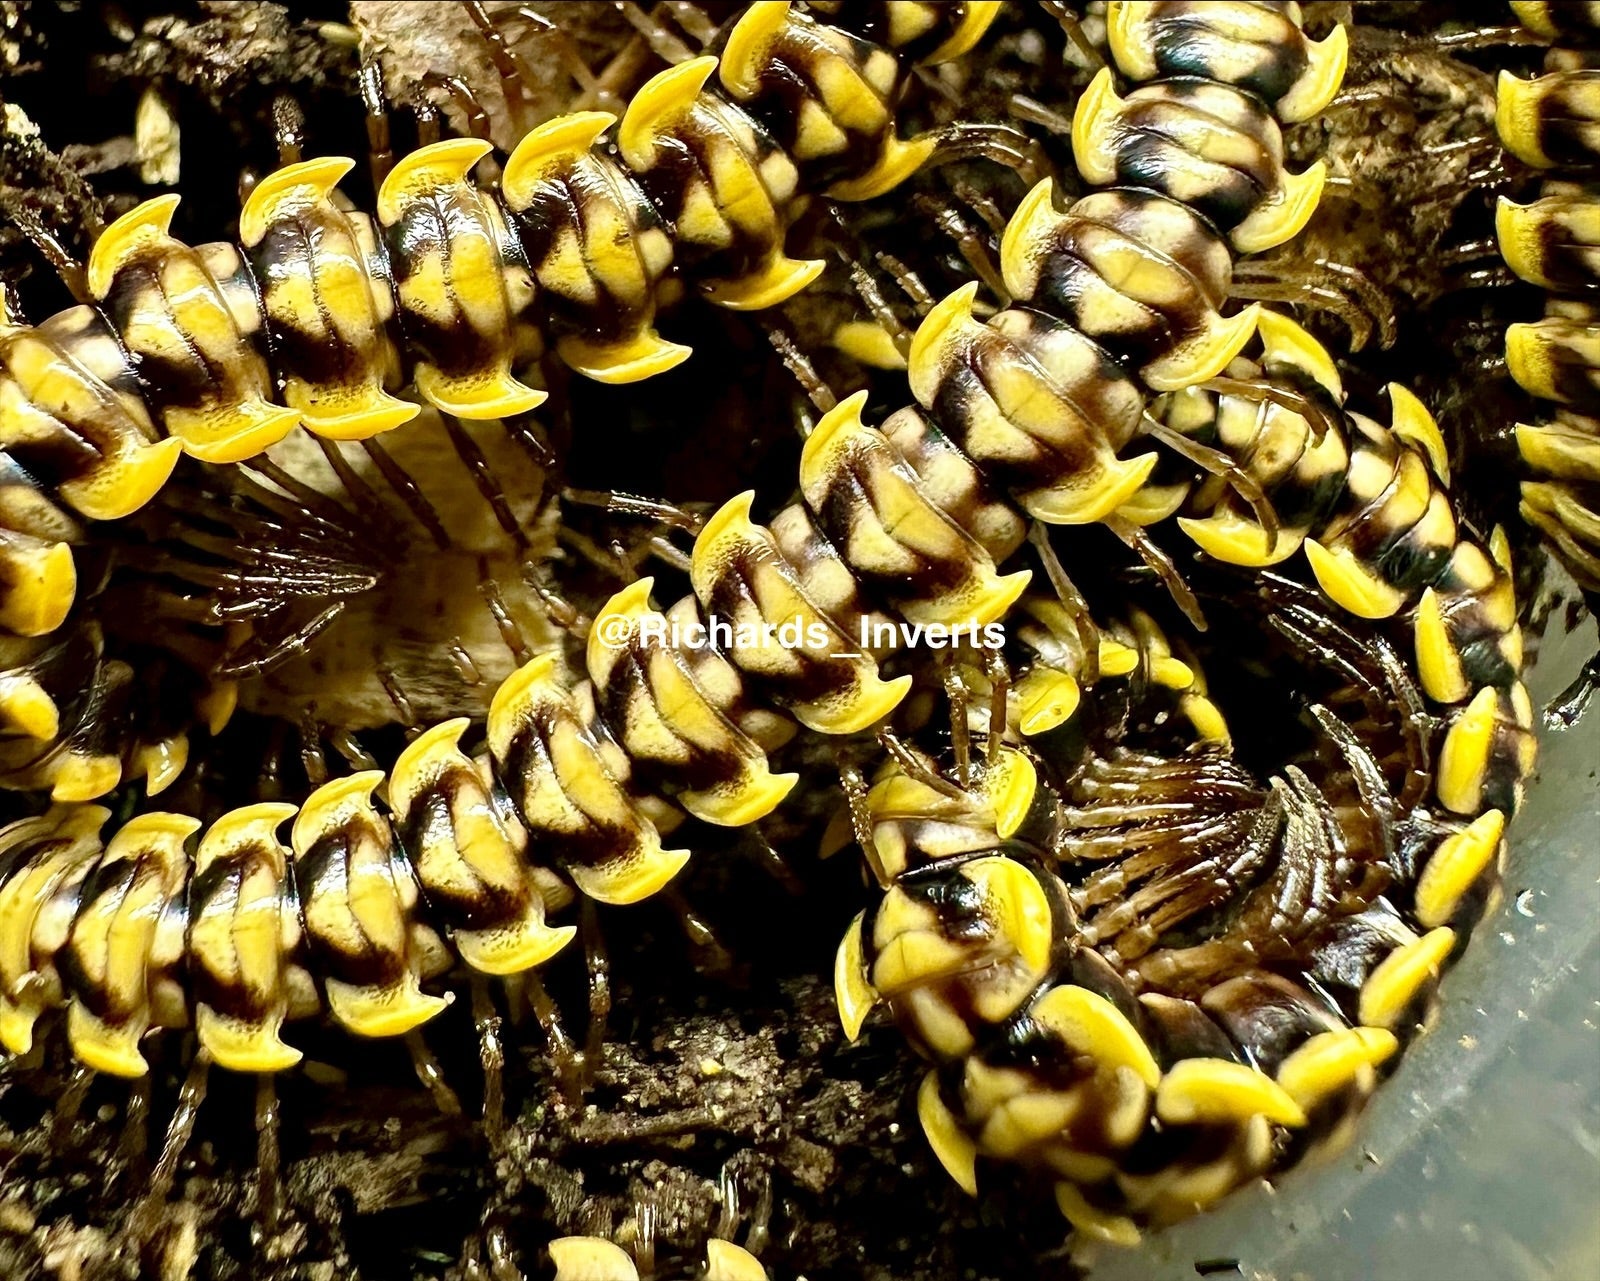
[(1547, 123), (1210, 1062), (321, 312), (1143, 970)]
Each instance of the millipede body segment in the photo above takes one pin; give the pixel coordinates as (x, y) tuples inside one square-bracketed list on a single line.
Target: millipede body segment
[(1549, 122)]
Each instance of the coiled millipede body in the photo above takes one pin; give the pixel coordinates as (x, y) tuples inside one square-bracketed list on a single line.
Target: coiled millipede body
[(321, 312), (1549, 123), (1370, 507), (1142, 973)]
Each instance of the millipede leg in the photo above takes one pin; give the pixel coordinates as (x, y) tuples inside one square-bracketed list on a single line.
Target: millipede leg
[(957, 694), (615, 501), (64, 1116), (147, 1214), (491, 1052), (568, 1069), (267, 1154), (1072, 27), (665, 551), (1309, 408), (972, 245), (917, 766), (607, 89), (1134, 537), (461, 94), (597, 970), (404, 485), (429, 121), (311, 757), (363, 495), (910, 283), (1337, 288), (516, 78), (253, 661), (799, 364), (775, 865), (1570, 704), (490, 485), (288, 128), (133, 1147), (997, 142), (380, 152), (882, 314), (431, 1074), (612, 560), (994, 666), (699, 932), (344, 742), (1072, 600), (563, 613), (510, 633), (1217, 463), (1035, 112), (1490, 37), (662, 42)]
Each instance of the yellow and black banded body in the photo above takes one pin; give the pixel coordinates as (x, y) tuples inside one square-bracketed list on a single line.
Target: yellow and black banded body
[(446, 856), (321, 313), (370, 900), (1156, 980), (902, 521), (1370, 506), (1552, 123), (1142, 1103), (1120, 294), (911, 519)]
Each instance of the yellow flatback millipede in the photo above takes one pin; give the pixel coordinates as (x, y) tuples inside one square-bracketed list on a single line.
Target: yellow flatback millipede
[(578, 777), (1141, 973), (904, 521), (1549, 123), (321, 312)]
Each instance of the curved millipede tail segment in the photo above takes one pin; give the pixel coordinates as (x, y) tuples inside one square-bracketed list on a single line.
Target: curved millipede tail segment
[(1370, 507), (1145, 975), (1549, 123)]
